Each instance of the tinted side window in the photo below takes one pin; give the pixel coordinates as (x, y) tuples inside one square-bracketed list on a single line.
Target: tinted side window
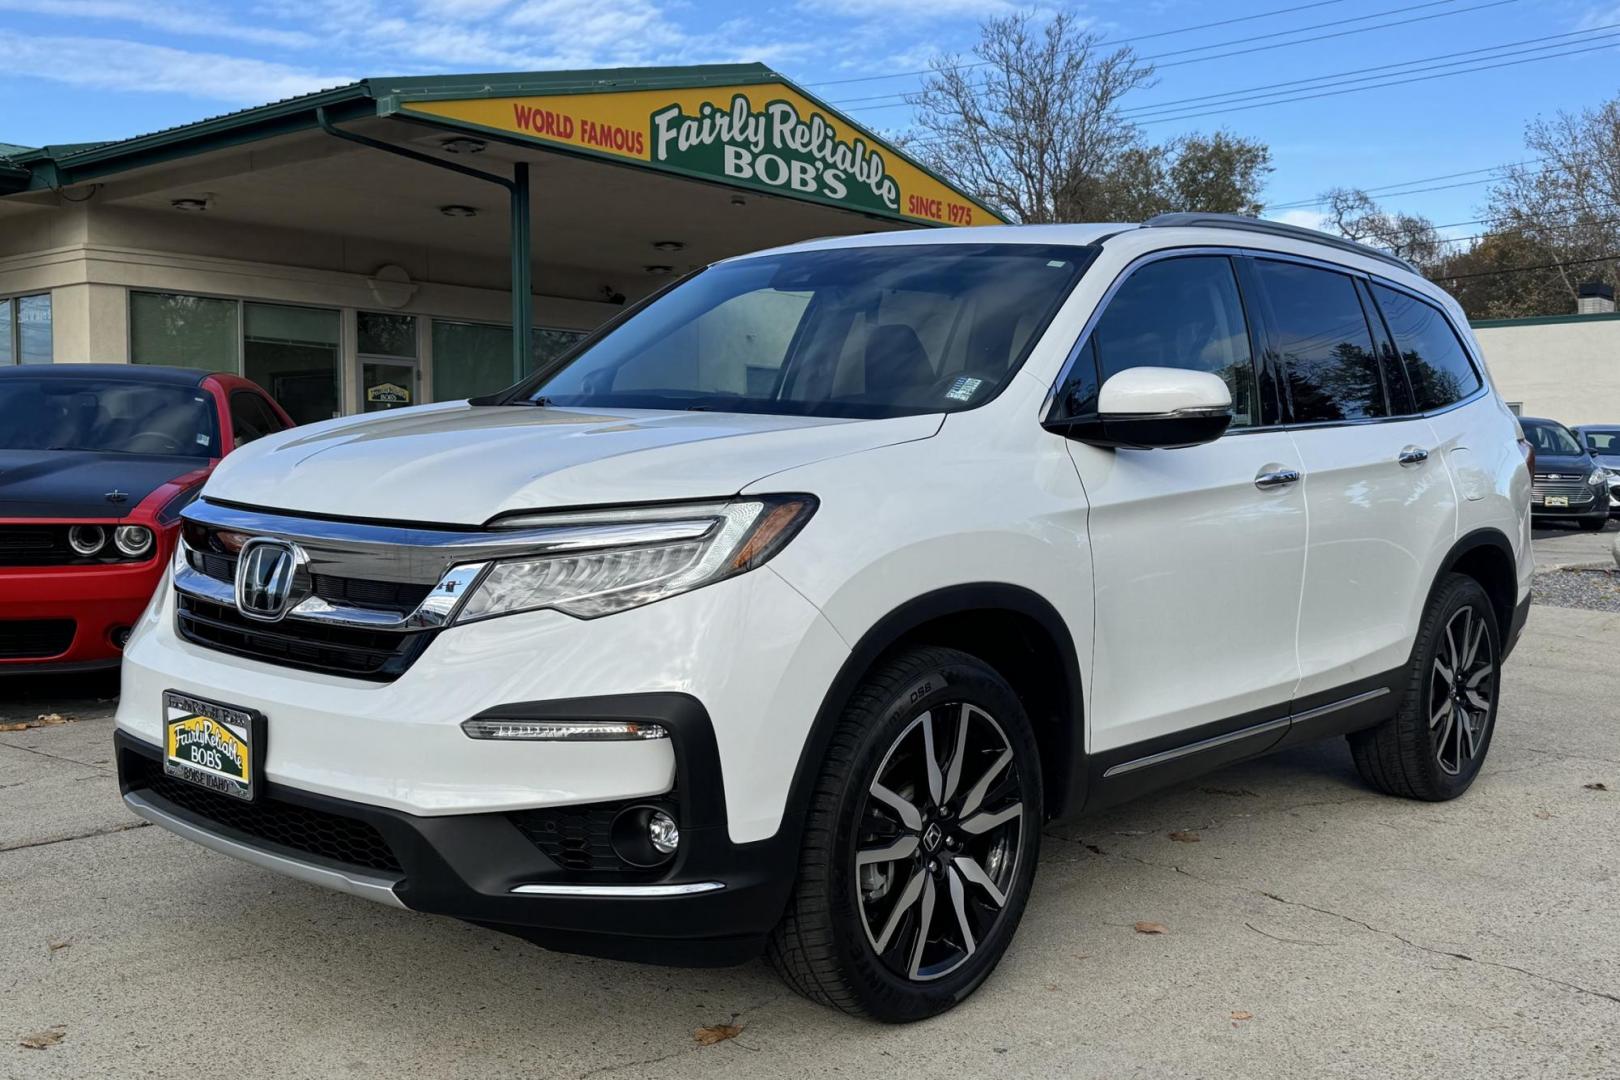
[(1320, 334), (1177, 313), (251, 418), (1439, 369)]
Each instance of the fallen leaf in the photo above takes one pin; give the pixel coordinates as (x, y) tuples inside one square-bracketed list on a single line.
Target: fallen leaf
[(716, 1033), (1599, 786), (1543, 814), (50, 718), (21, 725), (1242, 1014), (42, 720), (43, 1040), (1152, 928), (57, 944), (1185, 837)]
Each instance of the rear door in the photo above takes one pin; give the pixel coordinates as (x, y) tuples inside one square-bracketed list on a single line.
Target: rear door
[(1198, 552), (1380, 502)]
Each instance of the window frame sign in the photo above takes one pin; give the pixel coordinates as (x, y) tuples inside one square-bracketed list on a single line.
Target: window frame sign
[(767, 136)]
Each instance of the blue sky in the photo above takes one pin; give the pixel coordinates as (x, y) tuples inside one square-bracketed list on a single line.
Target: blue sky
[(78, 70)]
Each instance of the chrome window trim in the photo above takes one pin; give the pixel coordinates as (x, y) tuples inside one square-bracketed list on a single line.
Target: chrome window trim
[(1238, 251)]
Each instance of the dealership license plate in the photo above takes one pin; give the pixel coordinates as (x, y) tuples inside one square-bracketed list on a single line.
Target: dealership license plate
[(1558, 500), (213, 745)]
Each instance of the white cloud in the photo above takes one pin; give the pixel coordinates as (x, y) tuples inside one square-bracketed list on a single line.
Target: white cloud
[(196, 21), (1602, 15), (111, 64), (1309, 219), (902, 12)]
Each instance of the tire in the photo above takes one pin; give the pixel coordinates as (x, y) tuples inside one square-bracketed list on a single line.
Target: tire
[(1435, 744), (1594, 524), (849, 936)]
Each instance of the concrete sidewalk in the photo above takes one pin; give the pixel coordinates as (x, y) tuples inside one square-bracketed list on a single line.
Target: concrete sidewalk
[(1366, 937)]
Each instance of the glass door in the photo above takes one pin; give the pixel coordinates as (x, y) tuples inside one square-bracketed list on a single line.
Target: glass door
[(389, 376)]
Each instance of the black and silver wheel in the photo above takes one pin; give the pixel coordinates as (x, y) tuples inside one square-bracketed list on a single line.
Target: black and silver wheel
[(920, 845), (1435, 744)]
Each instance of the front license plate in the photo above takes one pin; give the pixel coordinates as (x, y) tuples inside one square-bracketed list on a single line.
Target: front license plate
[(1558, 500), (213, 745)]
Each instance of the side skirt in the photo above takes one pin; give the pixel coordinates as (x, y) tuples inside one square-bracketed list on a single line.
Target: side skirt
[(1122, 774)]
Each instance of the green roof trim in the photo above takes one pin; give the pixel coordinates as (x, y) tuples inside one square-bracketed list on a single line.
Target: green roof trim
[(1543, 320)]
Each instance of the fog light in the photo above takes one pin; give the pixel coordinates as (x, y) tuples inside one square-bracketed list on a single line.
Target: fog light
[(664, 834), (119, 636), (87, 539), (645, 836)]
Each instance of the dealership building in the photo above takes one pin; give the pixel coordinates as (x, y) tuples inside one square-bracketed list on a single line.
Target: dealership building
[(372, 245), (1563, 367)]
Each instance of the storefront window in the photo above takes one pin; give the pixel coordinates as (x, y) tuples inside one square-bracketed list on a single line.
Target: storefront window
[(470, 359), (183, 331), (387, 346), (25, 330), (293, 353)]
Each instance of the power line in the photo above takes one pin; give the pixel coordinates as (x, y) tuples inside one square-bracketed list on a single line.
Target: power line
[(1528, 269), (1110, 41), (1237, 41), (1382, 85), (1298, 204), (1252, 92)]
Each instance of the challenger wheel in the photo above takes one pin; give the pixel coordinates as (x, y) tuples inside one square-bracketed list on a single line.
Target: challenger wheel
[(1434, 746), (920, 844)]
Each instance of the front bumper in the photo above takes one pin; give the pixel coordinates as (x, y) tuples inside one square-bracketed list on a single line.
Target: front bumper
[(712, 905)]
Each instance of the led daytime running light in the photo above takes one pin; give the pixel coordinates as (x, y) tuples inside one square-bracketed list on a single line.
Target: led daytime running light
[(562, 730)]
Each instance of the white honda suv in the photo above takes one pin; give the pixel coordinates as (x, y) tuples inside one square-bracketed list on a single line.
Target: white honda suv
[(783, 613)]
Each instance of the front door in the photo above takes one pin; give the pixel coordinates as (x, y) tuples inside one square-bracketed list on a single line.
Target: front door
[(1198, 553)]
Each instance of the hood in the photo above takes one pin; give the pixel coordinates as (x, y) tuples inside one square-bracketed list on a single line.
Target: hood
[(465, 464), (76, 483), (1572, 466)]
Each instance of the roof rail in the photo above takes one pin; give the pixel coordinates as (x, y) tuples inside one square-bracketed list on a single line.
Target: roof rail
[(1276, 228)]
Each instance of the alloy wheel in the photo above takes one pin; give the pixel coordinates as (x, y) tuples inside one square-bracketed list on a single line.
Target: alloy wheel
[(1462, 690), (938, 840)]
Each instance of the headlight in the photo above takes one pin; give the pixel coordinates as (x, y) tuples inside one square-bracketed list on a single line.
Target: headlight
[(613, 560), (87, 539), (1598, 477), (133, 541)]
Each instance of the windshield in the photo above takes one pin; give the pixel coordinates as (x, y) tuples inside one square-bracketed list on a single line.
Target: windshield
[(1604, 442), (860, 332), (1550, 438), (106, 415)]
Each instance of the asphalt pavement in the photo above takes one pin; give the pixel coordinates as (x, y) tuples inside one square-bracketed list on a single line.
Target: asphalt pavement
[(1312, 929)]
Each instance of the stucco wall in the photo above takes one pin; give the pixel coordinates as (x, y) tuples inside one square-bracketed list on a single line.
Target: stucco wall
[(1567, 370)]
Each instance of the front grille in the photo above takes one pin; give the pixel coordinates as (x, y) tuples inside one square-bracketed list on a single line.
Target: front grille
[(329, 837), (377, 655), (47, 545), (400, 597), (1570, 486), (579, 838), (33, 639)]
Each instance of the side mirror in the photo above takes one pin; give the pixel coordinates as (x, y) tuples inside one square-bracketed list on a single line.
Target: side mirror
[(1148, 408)]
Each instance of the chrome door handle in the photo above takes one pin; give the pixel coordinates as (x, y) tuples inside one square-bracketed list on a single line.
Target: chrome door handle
[(1276, 476), (1413, 455)]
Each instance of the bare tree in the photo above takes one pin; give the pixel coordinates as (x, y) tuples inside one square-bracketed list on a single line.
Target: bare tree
[(1567, 204), (1354, 215), (1034, 111)]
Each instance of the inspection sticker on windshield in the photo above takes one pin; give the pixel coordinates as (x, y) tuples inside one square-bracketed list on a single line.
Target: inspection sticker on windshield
[(963, 388), (213, 745)]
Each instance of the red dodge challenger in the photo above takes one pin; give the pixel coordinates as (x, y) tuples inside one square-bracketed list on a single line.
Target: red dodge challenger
[(96, 462)]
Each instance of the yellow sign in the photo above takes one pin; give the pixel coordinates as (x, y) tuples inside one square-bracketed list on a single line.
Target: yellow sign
[(207, 744), (768, 137)]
